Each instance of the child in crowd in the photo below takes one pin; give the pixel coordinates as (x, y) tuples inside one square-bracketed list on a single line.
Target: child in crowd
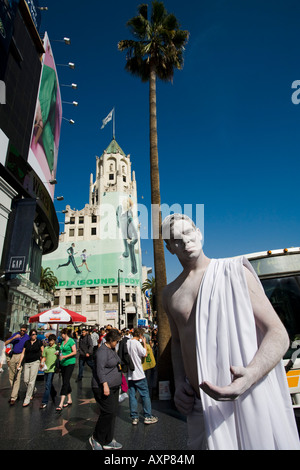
[(49, 359)]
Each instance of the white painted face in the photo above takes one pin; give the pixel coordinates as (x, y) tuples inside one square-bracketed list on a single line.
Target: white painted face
[(186, 241)]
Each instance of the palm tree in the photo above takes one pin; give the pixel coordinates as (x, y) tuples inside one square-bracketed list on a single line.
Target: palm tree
[(156, 52), (149, 285), (48, 280)]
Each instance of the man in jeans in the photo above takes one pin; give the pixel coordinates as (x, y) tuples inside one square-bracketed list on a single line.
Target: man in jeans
[(137, 381), (17, 340)]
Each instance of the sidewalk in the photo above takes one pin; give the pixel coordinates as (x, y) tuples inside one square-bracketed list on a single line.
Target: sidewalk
[(34, 429)]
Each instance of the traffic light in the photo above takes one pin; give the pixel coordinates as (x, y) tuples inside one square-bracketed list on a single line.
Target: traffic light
[(123, 307)]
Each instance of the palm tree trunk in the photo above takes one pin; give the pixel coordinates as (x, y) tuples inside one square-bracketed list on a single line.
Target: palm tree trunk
[(164, 334)]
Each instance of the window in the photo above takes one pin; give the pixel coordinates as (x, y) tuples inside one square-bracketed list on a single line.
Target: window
[(111, 176), (127, 297), (71, 232), (92, 299), (77, 299), (106, 298), (115, 297), (56, 300), (284, 295), (72, 220), (80, 232), (133, 297), (68, 299), (94, 219), (81, 219), (93, 231), (124, 179)]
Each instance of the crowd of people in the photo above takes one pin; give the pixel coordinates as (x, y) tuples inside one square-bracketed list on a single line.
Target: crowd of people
[(122, 363)]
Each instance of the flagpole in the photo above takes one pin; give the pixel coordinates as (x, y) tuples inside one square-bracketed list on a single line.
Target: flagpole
[(114, 123)]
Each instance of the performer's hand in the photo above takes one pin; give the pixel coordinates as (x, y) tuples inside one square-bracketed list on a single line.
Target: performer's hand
[(184, 398), (241, 382)]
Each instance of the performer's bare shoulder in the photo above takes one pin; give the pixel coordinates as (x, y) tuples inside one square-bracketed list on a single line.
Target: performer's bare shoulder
[(179, 299)]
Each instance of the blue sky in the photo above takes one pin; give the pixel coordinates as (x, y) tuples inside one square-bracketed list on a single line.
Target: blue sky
[(228, 132)]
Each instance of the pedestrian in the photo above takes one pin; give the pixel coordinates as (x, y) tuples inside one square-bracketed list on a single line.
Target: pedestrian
[(2, 355), (17, 340), (67, 363), (85, 353), (49, 359), (150, 368), (4, 352), (75, 337), (101, 335), (106, 381), (227, 346), (8, 348), (137, 381), (32, 355), (95, 339), (126, 362)]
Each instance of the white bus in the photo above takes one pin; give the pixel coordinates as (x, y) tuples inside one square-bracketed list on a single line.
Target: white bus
[(279, 273)]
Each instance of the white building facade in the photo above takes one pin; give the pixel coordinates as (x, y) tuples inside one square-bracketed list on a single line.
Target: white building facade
[(98, 262)]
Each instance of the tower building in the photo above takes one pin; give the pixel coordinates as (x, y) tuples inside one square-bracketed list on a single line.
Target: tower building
[(98, 261)]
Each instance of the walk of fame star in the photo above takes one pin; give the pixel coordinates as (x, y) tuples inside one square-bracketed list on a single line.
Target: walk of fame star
[(80, 423), (62, 427), (87, 401)]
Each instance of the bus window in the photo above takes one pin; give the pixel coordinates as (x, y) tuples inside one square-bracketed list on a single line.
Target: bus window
[(284, 295)]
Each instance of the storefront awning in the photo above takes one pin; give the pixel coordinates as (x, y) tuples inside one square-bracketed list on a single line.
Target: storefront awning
[(30, 289)]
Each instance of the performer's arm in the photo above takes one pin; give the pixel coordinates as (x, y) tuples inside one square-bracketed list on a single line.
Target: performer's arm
[(184, 395), (274, 344)]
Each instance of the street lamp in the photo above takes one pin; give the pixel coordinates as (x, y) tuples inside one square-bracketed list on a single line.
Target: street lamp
[(74, 103), (53, 181), (119, 300), (65, 40), (73, 85), (71, 121), (69, 64)]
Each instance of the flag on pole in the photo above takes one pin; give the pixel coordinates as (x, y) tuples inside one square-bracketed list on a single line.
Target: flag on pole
[(107, 119)]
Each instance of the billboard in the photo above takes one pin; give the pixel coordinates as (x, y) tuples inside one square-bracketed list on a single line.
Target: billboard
[(96, 262), (35, 12), (17, 249), (43, 150)]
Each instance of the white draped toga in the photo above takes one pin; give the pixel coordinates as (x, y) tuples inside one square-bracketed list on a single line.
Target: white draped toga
[(263, 417)]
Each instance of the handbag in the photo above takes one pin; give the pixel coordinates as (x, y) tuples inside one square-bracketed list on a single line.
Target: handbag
[(149, 361)]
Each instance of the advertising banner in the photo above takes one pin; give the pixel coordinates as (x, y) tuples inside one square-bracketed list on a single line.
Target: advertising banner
[(97, 262), (20, 237), (47, 123)]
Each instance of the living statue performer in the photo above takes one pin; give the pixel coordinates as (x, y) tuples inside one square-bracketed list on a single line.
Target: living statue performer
[(227, 346)]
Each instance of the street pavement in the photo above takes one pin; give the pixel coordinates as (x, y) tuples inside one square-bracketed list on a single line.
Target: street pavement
[(31, 428)]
